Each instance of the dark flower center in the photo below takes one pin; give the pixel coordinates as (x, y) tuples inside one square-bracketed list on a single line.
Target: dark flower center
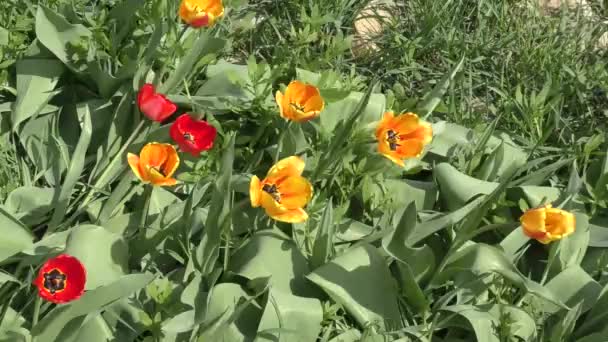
[(392, 138), (159, 170), (54, 281), (188, 137), (272, 191), (297, 106)]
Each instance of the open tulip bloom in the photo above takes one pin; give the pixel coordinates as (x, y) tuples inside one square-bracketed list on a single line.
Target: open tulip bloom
[(284, 192), (155, 164), (61, 279), (402, 137), (153, 105), (547, 224), (201, 13), (193, 136), (301, 102)]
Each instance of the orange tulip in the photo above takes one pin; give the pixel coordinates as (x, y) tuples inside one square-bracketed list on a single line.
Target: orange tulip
[(547, 224), (301, 102), (155, 164), (284, 192), (402, 137), (201, 13)]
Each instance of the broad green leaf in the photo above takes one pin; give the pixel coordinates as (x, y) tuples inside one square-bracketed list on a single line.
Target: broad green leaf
[(573, 286), (91, 301), (422, 259), (94, 329), (360, 281), (402, 191), (11, 327), (482, 259), (597, 316), (30, 204), (352, 230), (36, 80), (100, 250), (50, 244), (58, 35), (225, 298), (352, 335), (456, 188), (288, 317), (323, 245), (431, 100), (338, 111), (270, 254), (486, 320), (75, 169), (14, 236), (447, 137), (533, 195), (504, 156), (179, 323)]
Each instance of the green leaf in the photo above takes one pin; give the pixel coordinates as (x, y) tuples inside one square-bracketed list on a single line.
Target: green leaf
[(482, 259), (574, 286), (432, 99), (403, 191), (51, 326), (30, 204), (36, 80), (224, 299), (487, 318), (420, 259), (360, 281), (75, 169), (571, 250), (58, 35), (288, 317), (270, 254), (456, 188), (100, 250), (11, 326), (338, 111), (93, 329), (14, 236), (205, 44), (597, 316), (533, 195), (323, 246)]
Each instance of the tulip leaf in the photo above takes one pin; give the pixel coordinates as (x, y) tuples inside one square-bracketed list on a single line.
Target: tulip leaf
[(323, 246), (338, 111), (52, 325), (75, 169), (571, 250), (36, 81), (482, 259), (574, 286), (456, 188), (30, 204), (486, 319), (597, 315), (272, 255), (100, 250), (361, 282), (11, 326), (14, 236), (58, 35), (288, 317)]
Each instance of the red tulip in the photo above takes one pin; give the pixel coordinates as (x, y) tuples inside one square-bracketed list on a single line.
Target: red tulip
[(192, 136), (154, 105), (61, 279)]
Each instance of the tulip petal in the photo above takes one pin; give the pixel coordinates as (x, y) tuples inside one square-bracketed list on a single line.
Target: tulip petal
[(314, 104), (278, 96), (134, 163), (156, 178), (405, 123), (154, 155), (172, 162), (409, 149), (287, 167), (292, 216), (533, 222), (144, 93), (295, 192), (384, 125), (255, 189), (423, 133)]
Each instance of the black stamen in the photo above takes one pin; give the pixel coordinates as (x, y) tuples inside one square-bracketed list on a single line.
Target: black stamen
[(392, 138), (54, 281), (272, 191), (188, 137), (297, 106)]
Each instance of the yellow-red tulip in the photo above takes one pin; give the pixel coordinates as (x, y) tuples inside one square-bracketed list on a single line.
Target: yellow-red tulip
[(402, 137), (301, 102), (284, 192), (547, 224), (201, 13), (155, 164)]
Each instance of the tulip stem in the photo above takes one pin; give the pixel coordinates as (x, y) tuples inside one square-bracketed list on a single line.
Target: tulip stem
[(37, 305), (147, 195)]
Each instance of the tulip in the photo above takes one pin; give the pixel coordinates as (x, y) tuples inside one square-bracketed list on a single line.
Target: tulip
[(402, 137)]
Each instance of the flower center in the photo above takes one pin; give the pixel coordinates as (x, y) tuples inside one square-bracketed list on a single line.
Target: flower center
[(158, 169), (188, 137), (272, 191), (54, 281), (297, 106), (393, 139)]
